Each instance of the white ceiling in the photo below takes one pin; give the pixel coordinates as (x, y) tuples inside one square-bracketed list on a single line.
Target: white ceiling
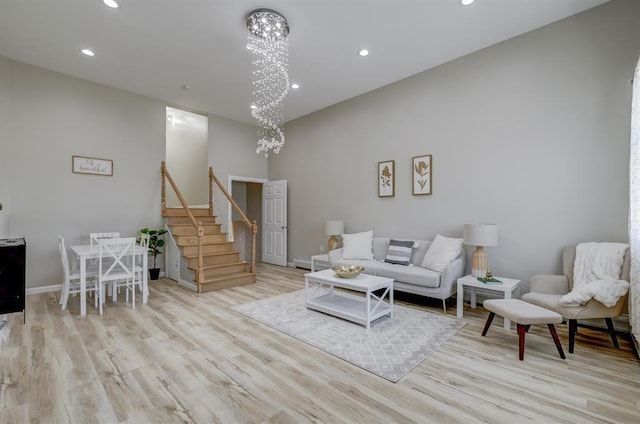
[(154, 47)]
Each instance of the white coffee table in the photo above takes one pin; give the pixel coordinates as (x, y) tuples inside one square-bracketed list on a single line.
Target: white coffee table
[(508, 287), (320, 295)]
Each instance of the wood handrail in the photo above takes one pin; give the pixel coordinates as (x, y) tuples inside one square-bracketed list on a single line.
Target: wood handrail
[(185, 205), (229, 198), (166, 173), (252, 225)]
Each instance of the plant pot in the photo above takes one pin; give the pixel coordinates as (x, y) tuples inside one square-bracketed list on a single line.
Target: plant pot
[(154, 273)]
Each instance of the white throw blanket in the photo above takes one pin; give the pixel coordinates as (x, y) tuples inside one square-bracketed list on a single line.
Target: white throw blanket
[(596, 274)]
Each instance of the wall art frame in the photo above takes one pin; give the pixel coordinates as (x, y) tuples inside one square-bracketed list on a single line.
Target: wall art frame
[(422, 172), (386, 178), (91, 166)]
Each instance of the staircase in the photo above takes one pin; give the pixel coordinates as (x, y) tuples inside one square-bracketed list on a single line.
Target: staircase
[(215, 263)]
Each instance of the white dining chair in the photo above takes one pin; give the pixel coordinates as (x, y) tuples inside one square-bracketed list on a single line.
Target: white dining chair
[(92, 264), (116, 266), (143, 241), (94, 237), (71, 280)]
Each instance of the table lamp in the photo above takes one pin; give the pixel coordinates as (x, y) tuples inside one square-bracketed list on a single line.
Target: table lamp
[(480, 235), (333, 229)]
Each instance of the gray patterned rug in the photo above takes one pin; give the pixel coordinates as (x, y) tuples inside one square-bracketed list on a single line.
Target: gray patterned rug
[(391, 348)]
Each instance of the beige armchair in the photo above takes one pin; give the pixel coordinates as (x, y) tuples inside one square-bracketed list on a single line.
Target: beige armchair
[(546, 291)]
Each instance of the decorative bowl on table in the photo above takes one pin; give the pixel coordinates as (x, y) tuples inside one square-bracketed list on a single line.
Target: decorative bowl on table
[(348, 271)]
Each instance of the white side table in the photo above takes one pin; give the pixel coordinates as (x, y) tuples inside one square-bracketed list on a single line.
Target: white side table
[(508, 287), (320, 260)]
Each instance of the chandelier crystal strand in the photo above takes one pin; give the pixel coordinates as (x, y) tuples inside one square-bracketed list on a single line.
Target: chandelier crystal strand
[(266, 39)]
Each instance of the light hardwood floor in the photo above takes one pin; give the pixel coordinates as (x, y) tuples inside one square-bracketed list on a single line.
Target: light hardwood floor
[(188, 358)]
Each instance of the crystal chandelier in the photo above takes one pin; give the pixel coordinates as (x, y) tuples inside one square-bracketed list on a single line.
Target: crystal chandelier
[(267, 40)]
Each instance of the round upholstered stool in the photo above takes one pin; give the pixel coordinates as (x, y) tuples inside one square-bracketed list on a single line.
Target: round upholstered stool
[(524, 315)]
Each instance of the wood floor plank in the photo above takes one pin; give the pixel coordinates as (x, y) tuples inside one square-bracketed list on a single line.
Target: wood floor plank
[(189, 358)]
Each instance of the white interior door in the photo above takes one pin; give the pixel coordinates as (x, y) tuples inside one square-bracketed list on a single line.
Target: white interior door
[(274, 222)]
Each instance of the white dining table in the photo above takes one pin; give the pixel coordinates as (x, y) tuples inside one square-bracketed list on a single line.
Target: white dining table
[(87, 251)]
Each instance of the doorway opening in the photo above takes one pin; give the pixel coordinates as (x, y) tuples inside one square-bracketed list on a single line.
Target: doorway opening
[(187, 152), (247, 193)]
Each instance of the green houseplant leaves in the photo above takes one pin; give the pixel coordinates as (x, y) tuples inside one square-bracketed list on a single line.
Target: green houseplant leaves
[(155, 242)]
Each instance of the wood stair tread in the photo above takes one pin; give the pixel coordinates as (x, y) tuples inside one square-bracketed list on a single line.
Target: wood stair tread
[(224, 265), (184, 224), (204, 255), (226, 278), (228, 281)]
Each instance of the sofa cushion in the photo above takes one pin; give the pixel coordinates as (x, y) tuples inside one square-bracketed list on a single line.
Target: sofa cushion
[(357, 246), (399, 252), (409, 274), (381, 244), (441, 253)]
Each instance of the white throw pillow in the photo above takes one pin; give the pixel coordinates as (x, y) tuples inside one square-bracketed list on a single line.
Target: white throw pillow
[(357, 246), (442, 251)]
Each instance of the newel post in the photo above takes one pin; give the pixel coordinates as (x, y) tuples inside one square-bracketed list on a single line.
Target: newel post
[(254, 231), (163, 204), (200, 260)]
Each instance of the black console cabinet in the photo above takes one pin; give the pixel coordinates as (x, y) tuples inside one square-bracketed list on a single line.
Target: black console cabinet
[(12, 275)]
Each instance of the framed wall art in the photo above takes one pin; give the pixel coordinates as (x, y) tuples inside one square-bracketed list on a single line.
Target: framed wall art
[(93, 166), (422, 171), (386, 178)]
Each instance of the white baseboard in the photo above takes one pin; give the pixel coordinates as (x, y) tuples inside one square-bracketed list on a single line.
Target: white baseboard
[(301, 263), (188, 284), (56, 287), (44, 289)]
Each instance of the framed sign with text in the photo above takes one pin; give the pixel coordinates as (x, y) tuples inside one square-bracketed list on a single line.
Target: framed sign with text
[(93, 166)]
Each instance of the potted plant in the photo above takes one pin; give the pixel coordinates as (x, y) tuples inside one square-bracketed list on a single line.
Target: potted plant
[(155, 243)]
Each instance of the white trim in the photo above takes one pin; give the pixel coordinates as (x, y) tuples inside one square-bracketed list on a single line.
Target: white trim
[(44, 289), (187, 284), (301, 263), (230, 180), (56, 287), (176, 248)]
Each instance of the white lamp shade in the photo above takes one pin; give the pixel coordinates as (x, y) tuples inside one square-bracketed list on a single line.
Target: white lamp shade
[(480, 234), (333, 228)]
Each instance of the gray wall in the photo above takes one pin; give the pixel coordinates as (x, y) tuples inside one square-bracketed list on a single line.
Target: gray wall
[(5, 120), (187, 149), (46, 117), (232, 151), (531, 134)]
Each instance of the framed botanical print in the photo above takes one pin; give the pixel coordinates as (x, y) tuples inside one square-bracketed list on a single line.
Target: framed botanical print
[(422, 171), (386, 178)]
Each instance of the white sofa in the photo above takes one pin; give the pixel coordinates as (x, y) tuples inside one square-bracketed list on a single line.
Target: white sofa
[(413, 278)]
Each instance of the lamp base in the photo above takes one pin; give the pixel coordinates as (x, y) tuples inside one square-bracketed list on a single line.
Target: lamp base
[(334, 243), (479, 262)]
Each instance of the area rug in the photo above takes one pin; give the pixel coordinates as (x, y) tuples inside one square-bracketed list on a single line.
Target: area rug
[(391, 348)]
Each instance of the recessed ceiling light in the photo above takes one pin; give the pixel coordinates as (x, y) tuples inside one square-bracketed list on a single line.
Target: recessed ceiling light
[(88, 52), (110, 3), (363, 52), (466, 2), (295, 86)]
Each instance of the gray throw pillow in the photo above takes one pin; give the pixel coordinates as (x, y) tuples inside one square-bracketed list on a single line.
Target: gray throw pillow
[(399, 252)]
